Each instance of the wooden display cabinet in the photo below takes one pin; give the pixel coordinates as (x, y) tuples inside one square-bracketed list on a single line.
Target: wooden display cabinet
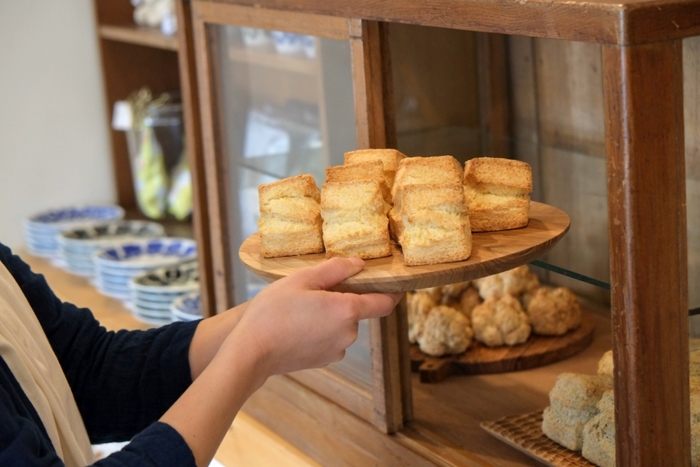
[(385, 416)]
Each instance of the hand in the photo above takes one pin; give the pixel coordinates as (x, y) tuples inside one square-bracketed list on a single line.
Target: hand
[(296, 323)]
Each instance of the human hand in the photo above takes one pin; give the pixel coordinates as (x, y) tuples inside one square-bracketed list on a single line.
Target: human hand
[(296, 323)]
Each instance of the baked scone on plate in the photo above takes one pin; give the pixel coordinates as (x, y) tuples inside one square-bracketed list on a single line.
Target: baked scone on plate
[(497, 191), (389, 158), (368, 170), (354, 220), (420, 171), (432, 224), (290, 217)]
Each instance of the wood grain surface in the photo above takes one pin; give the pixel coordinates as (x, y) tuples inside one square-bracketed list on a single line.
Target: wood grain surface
[(524, 432), (480, 359), (492, 252)]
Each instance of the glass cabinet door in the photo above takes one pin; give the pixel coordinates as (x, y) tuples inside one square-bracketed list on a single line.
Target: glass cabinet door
[(281, 99)]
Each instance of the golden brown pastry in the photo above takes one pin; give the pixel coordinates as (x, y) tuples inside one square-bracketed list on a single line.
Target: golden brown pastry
[(354, 220), (554, 312), (390, 159), (497, 192), (434, 226), (500, 321), (418, 306), (290, 217), (446, 331)]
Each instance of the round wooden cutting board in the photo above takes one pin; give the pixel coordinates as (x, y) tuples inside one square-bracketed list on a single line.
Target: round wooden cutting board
[(480, 359), (492, 252)]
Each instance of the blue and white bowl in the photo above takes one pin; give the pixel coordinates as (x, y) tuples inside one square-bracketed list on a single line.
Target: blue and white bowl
[(115, 266), (187, 307), (78, 245), (41, 230), (153, 291)]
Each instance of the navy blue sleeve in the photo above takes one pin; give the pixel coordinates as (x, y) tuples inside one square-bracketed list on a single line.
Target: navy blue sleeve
[(24, 441), (122, 381)]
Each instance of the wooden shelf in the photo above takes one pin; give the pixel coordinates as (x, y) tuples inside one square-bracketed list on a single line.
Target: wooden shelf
[(275, 61), (148, 37)]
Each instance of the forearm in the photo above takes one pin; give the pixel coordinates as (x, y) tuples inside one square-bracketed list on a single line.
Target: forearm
[(209, 336), (204, 413)]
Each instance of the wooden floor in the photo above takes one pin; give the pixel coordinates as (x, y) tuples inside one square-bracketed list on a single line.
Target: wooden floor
[(247, 443)]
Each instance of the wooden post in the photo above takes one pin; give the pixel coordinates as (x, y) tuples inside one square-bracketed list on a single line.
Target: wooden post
[(646, 192)]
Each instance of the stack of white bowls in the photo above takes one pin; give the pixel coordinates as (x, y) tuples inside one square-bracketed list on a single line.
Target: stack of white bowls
[(77, 246), (115, 266), (153, 292), (41, 230), (187, 307)]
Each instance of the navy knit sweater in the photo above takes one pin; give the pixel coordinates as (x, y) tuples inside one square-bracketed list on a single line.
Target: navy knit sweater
[(122, 382)]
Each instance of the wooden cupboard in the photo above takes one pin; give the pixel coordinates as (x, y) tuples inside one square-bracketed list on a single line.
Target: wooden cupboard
[(374, 412)]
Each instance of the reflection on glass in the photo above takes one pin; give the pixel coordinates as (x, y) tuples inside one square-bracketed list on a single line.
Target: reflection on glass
[(286, 103)]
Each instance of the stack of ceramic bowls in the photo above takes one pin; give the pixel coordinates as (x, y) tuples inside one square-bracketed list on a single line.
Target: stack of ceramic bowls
[(187, 307), (152, 292), (41, 230), (77, 246), (115, 266)]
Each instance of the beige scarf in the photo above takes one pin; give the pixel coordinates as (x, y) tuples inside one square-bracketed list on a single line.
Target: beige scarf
[(28, 353)]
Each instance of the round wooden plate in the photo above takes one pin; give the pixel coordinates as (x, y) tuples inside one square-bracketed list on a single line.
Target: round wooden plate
[(480, 359), (492, 252)]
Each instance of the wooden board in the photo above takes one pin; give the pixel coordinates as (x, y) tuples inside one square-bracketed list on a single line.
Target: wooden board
[(480, 359), (524, 432), (492, 252)]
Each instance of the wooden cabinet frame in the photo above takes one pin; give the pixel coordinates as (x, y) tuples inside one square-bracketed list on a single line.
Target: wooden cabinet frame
[(642, 63), (383, 407)]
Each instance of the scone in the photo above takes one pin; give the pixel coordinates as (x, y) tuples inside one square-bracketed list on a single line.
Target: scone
[(354, 220), (420, 171), (598, 437), (497, 192), (554, 312), (468, 301), (573, 403), (368, 170), (389, 158), (500, 321), (605, 364), (434, 226), (290, 217), (418, 306), (445, 331), (518, 282)]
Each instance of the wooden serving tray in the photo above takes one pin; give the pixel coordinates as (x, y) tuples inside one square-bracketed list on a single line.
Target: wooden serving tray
[(524, 433), (492, 252), (480, 359)]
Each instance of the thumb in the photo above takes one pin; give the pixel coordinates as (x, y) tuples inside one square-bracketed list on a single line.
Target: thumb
[(329, 273)]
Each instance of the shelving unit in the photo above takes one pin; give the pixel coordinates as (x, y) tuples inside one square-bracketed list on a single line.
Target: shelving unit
[(133, 57), (138, 35)]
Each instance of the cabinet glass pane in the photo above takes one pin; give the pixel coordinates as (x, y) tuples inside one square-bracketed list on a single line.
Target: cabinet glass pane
[(287, 108)]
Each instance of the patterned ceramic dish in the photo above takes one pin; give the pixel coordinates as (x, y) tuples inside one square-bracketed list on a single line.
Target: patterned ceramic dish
[(41, 230), (153, 291), (178, 278), (78, 245), (187, 307), (115, 266)]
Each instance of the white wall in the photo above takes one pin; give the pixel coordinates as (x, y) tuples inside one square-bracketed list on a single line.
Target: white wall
[(53, 127)]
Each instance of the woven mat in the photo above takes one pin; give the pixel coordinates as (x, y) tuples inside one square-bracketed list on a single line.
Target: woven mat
[(524, 432)]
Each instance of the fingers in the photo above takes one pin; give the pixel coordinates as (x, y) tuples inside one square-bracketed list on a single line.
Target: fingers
[(329, 273), (376, 305)]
